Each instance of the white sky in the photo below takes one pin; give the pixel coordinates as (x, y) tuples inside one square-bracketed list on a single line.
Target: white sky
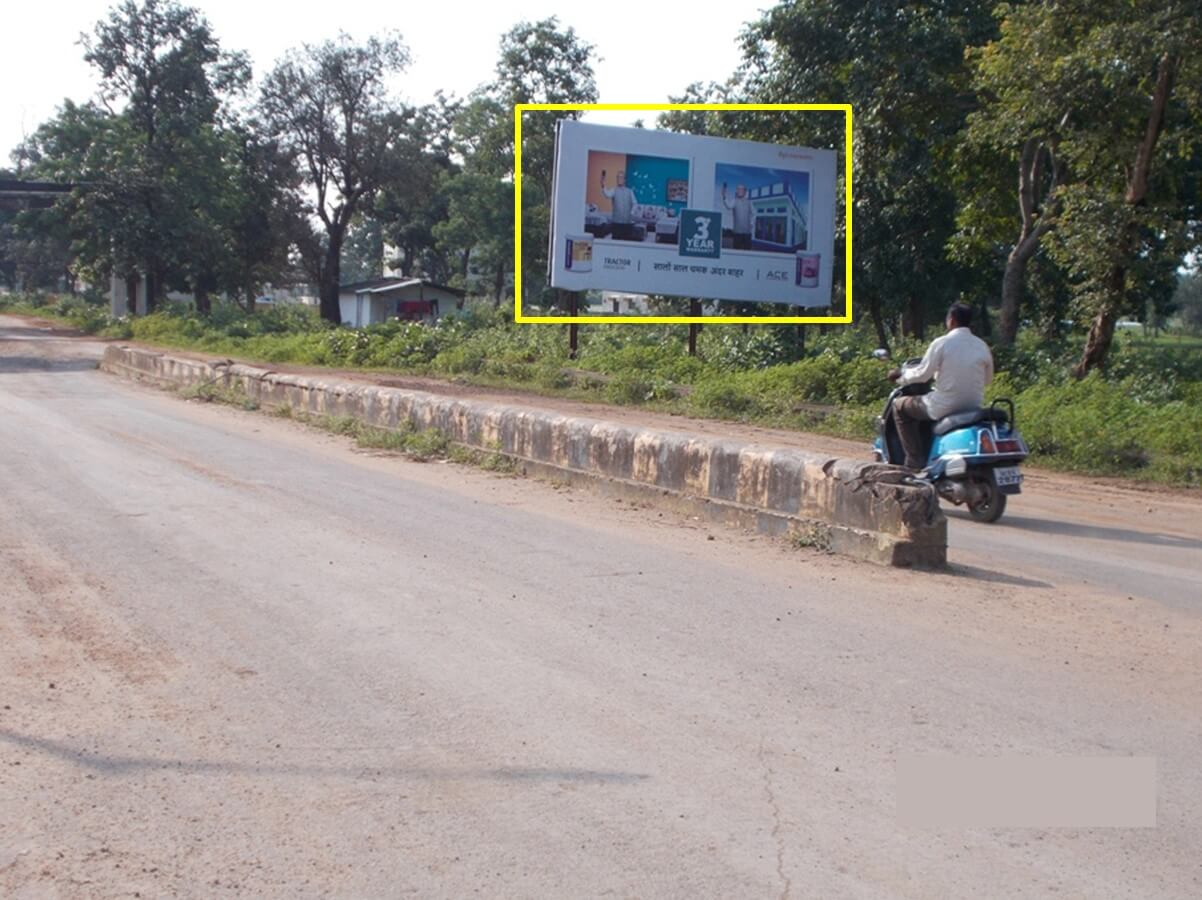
[(648, 50)]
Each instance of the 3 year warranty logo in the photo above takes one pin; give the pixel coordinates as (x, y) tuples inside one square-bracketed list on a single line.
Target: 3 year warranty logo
[(700, 233)]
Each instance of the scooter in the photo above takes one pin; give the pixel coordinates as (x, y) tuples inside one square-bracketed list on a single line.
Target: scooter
[(974, 456)]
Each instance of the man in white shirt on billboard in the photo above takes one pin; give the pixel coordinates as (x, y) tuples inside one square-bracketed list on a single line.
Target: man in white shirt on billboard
[(961, 364), (624, 200), (740, 209)]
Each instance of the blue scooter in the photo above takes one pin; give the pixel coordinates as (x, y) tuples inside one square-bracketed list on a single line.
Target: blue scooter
[(974, 455)]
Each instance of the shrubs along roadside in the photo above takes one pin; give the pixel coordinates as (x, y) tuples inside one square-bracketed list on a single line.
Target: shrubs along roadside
[(1142, 418)]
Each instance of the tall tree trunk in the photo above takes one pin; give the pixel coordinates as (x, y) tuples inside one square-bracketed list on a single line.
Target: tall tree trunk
[(1101, 330), (203, 304), (1014, 283), (331, 277), (131, 294), (153, 289), (498, 284), (874, 309), (914, 321), (1036, 222), (985, 324), (1097, 345)]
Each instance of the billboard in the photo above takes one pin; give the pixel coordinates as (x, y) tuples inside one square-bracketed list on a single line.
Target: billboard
[(658, 212)]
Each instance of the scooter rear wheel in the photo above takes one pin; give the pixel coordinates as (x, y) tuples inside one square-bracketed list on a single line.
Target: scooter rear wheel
[(992, 503)]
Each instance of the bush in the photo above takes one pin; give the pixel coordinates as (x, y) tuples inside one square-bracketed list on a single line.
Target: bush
[(1102, 427), (1086, 424), (662, 362), (732, 350), (632, 388)]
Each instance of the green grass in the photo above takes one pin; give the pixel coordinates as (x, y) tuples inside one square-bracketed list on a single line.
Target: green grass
[(210, 392), (1177, 340), (424, 445)]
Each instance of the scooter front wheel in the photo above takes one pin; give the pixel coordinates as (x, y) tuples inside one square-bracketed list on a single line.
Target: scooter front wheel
[(992, 502)]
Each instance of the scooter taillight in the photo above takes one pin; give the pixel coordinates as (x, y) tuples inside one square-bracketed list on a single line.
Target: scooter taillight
[(985, 443), (1009, 447)]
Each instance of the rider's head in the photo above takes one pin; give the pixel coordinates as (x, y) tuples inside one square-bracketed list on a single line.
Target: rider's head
[(959, 315)]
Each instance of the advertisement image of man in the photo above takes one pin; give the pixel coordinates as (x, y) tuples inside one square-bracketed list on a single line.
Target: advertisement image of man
[(624, 200), (740, 209), (961, 364)]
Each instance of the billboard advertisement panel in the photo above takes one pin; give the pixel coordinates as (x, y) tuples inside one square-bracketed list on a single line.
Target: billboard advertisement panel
[(658, 212)]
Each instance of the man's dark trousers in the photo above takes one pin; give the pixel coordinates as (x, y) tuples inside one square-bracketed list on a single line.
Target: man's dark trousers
[(908, 415)]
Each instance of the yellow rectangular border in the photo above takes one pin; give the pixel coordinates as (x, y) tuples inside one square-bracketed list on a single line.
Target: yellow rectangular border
[(520, 108)]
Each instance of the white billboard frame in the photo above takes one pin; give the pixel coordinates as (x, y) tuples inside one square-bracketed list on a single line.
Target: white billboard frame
[(786, 256)]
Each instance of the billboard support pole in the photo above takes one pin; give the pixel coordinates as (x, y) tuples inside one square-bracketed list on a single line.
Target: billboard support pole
[(694, 310), (573, 329)]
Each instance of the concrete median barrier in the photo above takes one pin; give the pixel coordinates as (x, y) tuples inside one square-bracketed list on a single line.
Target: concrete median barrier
[(856, 508)]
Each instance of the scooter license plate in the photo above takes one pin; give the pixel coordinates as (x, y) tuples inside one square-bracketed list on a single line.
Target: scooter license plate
[(1009, 479)]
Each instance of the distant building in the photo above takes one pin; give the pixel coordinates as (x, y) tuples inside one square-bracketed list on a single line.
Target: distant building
[(302, 294), (614, 303), (380, 299)]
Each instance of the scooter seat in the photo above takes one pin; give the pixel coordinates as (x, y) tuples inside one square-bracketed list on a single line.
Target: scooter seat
[(970, 417)]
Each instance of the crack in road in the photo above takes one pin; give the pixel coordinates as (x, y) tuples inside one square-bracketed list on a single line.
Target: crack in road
[(787, 890)]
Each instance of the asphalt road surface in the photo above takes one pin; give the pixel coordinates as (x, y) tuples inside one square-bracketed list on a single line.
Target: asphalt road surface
[(239, 657)]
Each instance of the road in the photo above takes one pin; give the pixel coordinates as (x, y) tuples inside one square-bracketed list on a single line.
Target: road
[(242, 658)]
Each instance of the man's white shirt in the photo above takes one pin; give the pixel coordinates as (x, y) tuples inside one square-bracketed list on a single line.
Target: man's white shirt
[(961, 364)]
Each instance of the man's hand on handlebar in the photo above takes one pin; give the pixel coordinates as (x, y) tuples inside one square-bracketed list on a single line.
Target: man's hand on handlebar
[(894, 374)]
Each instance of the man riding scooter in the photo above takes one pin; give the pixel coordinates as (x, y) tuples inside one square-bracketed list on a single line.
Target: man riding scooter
[(961, 364)]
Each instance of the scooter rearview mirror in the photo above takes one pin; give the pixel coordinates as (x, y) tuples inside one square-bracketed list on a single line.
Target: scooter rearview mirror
[(880, 353)]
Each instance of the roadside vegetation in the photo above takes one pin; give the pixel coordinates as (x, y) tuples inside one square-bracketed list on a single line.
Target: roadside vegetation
[(1140, 417)]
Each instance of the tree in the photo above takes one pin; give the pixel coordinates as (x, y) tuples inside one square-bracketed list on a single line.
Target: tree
[(257, 216), (1018, 129), (160, 62), (35, 251), (329, 107), (903, 70), (107, 226), (411, 203), (170, 184), (539, 63), (1098, 105), (1040, 174), (1138, 205), (478, 229)]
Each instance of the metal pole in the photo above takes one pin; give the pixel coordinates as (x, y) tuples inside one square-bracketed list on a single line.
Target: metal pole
[(694, 310), (573, 329)]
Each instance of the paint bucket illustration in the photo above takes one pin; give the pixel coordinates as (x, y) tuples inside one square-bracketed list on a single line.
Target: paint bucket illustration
[(807, 269), (578, 256)]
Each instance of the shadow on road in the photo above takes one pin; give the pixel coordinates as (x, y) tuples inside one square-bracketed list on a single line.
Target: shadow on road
[(979, 574), (16, 365), (117, 766), (1094, 532)]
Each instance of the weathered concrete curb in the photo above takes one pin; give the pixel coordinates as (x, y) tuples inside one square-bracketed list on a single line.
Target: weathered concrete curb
[(846, 505)]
